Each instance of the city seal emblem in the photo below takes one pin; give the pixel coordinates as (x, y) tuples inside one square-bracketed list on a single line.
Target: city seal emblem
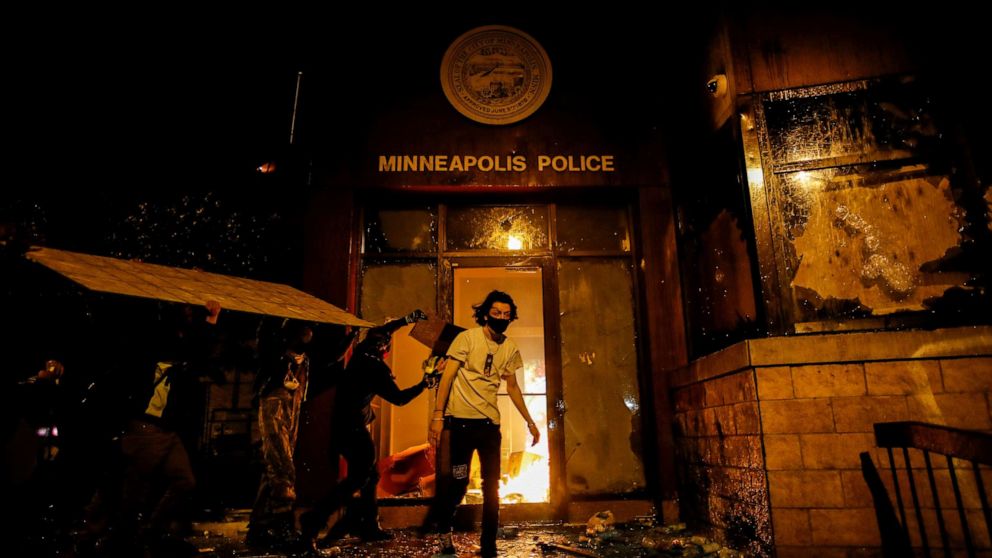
[(496, 75)]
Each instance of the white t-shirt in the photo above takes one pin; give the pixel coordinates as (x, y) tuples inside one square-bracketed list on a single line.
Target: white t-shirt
[(473, 393)]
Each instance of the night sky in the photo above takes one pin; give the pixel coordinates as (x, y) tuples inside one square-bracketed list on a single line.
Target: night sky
[(187, 97), (162, 114), (107, 109)]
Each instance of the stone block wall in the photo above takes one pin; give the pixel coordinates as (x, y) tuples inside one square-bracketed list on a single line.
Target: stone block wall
[(813, 438), (814, 419), (718, 431)]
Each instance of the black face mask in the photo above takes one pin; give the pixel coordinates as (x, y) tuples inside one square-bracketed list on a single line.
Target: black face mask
[(497, 325)]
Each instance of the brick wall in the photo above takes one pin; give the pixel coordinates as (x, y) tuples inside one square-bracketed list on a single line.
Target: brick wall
[(813, 422)]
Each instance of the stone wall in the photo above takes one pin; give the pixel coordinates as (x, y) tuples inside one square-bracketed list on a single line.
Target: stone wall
[(721, 466), (814, 419)]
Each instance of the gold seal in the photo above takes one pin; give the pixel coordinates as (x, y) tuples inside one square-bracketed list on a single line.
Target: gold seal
[(496, 74)]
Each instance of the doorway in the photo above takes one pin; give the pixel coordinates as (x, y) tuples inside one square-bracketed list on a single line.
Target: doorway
[(525, 469), (571, 271)]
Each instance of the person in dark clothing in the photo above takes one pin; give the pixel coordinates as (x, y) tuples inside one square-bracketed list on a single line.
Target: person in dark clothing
[(366, 377), (154, 453)]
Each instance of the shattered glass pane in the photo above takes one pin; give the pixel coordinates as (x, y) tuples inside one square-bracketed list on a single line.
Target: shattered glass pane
[(400, 230), (865, 242), (381, 297), (869, 214), (599, 377), (390, 291), (507, 228), (883, 120), (592, 228)]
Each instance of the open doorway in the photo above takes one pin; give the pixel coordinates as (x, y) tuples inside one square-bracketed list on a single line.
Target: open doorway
[(401, 432), (571, 270), (525, 469)]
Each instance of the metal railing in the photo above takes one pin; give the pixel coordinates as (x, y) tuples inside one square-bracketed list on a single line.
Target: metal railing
[(955, 445)]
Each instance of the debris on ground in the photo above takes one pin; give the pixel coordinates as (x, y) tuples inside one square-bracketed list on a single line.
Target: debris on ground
[(546, 547), (600, 523), (600, 537)]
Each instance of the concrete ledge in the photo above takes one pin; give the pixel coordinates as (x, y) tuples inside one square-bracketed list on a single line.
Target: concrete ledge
[(826, 348)]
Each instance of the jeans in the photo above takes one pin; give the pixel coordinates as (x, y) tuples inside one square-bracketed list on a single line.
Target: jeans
[(459, 439)]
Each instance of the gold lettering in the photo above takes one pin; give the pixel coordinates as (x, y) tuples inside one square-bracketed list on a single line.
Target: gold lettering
[(495, 163), (387, 164), (607, 163)]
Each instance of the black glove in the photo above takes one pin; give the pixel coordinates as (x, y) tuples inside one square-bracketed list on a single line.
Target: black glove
[(431, 379), (417, 314)]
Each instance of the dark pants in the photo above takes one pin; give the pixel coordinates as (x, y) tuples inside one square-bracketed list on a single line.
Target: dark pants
[(154, 454), (355, 445), (459, 439)]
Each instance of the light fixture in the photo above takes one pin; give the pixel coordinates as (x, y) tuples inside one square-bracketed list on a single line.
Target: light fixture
[(717, 85)]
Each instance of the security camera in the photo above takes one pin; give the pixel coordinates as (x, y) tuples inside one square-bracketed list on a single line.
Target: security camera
[(717, 86)]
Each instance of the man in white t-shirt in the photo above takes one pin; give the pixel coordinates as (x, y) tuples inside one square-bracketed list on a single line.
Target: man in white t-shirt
[(466, 417)]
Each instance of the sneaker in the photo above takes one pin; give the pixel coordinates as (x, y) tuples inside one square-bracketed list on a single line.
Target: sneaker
[(310, 525), (341, 528), (447, 545)]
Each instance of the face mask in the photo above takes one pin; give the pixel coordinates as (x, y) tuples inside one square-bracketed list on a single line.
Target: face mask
[(497, 325)]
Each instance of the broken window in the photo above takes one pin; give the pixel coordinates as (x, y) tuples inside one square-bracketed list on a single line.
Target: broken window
[(400, 230), (506, 228), (599, 376), (598, 446), (583, 227), (870, 216)]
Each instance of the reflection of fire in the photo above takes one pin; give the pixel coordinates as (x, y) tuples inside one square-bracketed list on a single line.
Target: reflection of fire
[(530, 484), (525, 474)]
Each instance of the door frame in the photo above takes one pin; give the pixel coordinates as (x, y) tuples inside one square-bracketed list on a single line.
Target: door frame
[(559, 499)]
